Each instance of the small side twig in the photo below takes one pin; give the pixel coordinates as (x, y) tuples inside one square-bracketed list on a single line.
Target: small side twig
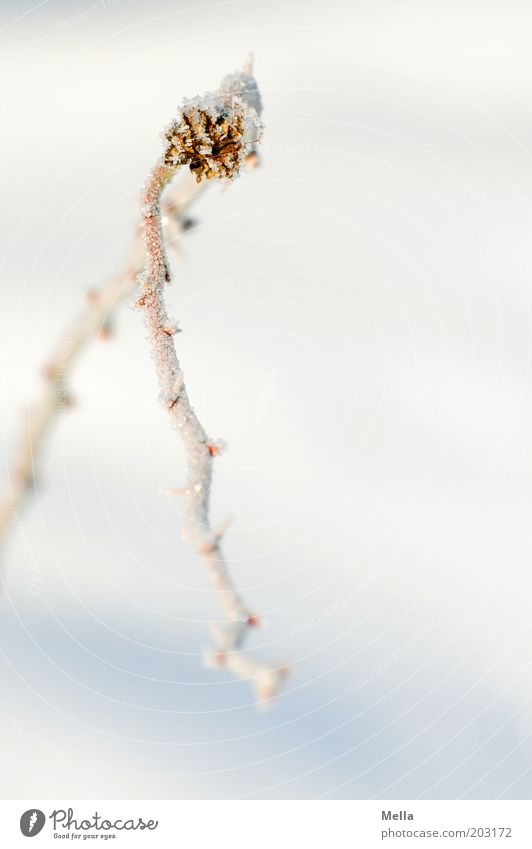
[(94, 321), (212, 135)]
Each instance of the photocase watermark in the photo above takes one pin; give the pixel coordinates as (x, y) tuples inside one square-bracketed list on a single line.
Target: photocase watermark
[(85, 14), (440, 158), (374, 162), (337, 605), (33, 580), (203, 290), (365, 227), (38, 199), (25, 730), (389, 661)]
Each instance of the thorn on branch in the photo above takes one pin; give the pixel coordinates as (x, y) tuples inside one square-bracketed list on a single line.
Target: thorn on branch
[(92, 296), (106, 331), (268, 684), (169, 399), (216, 448), (214, 659), (252, 160), (188, 224), (176, 490), (50, 372), (210, 547), (171, 328), (222, 529), (66, 401)]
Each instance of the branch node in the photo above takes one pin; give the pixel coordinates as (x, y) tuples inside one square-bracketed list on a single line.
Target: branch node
[(217, 447), (174, 491), (106, 331), (171, 328)]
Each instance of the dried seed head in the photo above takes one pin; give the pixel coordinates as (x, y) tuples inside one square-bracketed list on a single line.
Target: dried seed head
[(214, 133), (209, 140)]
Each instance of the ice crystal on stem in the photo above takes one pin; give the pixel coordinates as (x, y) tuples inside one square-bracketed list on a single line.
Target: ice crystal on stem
[(213, 135)]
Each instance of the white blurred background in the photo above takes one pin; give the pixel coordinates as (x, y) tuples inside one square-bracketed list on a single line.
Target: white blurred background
[(356, 321)]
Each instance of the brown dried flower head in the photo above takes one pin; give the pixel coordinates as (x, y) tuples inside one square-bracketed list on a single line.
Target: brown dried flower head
[(213, 134)]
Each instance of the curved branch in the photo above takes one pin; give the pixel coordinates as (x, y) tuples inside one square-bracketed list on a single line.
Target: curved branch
[(194, 131)]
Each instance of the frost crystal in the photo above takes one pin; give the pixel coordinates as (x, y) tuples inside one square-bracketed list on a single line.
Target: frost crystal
[(245, 87), (212, 134)]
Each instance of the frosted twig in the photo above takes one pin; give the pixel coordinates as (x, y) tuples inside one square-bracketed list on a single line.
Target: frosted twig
[(94, 320), (213, 135)]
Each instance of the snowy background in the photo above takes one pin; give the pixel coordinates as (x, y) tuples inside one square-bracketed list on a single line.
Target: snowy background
[(356, 321)]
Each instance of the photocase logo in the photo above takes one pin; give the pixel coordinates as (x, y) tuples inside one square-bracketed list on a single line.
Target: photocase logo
[(64, 824), (32, 822)]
